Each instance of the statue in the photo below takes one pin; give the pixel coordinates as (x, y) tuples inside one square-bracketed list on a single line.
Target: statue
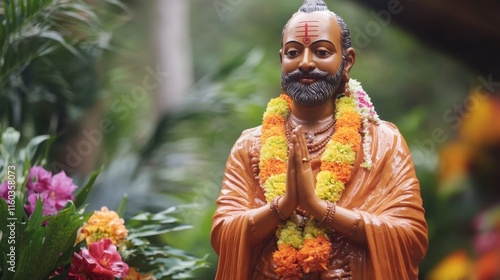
[(323, 189)]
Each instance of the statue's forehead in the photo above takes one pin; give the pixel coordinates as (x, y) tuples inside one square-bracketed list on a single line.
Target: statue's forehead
[(309, 27)]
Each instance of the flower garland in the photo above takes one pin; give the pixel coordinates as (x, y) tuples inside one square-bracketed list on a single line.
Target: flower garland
[(306, 248)]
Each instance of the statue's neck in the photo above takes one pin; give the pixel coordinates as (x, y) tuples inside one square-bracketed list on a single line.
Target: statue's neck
[(312, 117)]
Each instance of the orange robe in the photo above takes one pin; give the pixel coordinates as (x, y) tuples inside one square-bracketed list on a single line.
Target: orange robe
[(387, 197)]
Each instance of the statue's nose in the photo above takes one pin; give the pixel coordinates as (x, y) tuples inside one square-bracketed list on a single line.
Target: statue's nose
[(307, 64)]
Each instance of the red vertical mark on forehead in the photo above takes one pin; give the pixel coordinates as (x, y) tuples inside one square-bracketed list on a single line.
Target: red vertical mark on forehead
[(307, 29)]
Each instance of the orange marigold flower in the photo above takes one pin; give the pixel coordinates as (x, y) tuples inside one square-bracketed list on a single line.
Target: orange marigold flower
[(133, 274), (274, 121), (271, 167), (285, 259), (272, 126), (342, 171), (287, 99), (349, 119), (314, 256), (348, 136), (103, 224)]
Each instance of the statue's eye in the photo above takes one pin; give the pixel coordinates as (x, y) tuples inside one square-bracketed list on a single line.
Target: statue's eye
[(292, 53), (323, 53)]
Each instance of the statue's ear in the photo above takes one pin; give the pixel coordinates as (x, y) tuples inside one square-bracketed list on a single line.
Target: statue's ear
[(350, 58), (281, 55)]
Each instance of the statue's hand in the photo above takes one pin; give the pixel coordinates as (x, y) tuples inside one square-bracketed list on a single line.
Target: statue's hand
[(290, 200), (307, 197)]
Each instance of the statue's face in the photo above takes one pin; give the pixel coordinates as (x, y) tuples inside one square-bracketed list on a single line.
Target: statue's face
[(311, 58)]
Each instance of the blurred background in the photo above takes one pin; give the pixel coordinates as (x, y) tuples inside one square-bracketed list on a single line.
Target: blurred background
[(157, 92)]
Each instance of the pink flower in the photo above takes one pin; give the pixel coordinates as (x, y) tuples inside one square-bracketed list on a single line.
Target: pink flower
[(39, 180), (364, 102), (100, 261), (54, 191), (4, 190)]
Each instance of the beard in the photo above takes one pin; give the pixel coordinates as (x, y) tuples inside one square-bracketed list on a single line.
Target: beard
[(314, 94)]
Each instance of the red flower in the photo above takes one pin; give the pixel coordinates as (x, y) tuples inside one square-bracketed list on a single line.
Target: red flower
[(100, 262)]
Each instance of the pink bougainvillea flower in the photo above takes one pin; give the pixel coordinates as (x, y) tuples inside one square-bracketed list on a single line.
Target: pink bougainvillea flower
[(100, 261), (54, 191), (39, 180)]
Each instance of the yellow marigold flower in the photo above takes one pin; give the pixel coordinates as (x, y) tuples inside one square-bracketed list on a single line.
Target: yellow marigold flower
[(312, 231), (291, 234), (328, 187), (277, 106), (103, 224), (275, 186), (274, 147), (344, 105), (133, 274), (338, 152)]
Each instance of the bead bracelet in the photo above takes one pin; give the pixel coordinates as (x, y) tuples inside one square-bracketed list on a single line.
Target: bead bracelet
[(275, 209), (328, 217)]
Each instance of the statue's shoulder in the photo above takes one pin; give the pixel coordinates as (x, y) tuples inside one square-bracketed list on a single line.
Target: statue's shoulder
[(249, 138), (387, 133), (386, 129), (254, 132)]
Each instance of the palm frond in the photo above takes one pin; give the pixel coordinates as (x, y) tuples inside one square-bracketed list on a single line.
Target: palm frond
[(28, 31)]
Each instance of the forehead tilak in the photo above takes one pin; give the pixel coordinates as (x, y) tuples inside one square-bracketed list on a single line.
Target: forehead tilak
[(307, 29)]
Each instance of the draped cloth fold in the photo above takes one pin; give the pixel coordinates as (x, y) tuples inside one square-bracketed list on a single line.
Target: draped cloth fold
[(387, 197)]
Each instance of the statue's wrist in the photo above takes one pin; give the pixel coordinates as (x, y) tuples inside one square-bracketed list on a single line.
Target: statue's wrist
[(315, 206), (286, 206)]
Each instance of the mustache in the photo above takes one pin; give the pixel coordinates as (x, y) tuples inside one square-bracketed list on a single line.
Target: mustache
[(299, 74)]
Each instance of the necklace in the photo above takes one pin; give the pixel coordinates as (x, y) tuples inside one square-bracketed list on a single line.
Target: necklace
[(310, 136)]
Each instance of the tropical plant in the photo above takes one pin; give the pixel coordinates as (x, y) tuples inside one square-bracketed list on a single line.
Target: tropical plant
[(49, 56), (45, 231)]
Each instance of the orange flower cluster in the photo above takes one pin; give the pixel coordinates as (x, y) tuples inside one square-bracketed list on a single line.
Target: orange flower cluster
[(103, 224), (133, 274), (342, 171), (314, 256), (285, 259)]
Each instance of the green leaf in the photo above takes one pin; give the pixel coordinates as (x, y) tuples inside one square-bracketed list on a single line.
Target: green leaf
[(153, 230), (122, 206), (43, 244), (81, 197), (10, 139), (53, 35), (33, 144)]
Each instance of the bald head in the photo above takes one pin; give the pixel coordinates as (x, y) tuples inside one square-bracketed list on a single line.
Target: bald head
[(312, 6)]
